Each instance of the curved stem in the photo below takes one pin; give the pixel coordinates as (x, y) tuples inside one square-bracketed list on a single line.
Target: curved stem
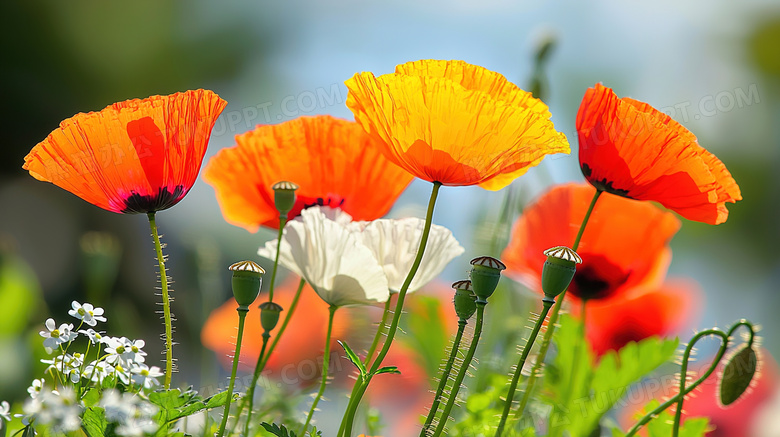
[(684, 391), (355, 401), (166, 301), (282, 222), (241, 317), (379, 331), (518, 370), (553, 316), (262, 359), (445, 376), (332, 310), (250, 395), (463, 369)]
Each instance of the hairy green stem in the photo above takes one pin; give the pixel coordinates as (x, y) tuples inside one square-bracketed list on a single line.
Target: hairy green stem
[(250, 395), (354, 401), (282, 222), (445, 376), (332, 310), (379, 331), (463, 369), (547, 304), (165, 301), (241, 317)]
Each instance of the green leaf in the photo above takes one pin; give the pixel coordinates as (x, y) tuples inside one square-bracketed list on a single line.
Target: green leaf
[(94, 422), (388, 369), (579, 405), (352, 356), (278, 431), (91, 397), (737, 375)]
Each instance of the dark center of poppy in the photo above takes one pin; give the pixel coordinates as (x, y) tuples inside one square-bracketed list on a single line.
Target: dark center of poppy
[(164, 199), (603, 184), (597, 278), (303, 202)]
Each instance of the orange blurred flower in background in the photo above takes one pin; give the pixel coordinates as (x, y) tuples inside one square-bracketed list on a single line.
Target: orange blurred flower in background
[(623, 247), (135, 156), (297, 358), (454, 123), (613, 323), (630, 149), (332, 160)]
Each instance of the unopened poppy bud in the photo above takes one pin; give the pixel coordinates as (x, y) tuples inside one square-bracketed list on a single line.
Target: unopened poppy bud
[(284, 196), (465, 300), (737, 375), (485, 273), (247, 279), (269, 315), (558, 270)]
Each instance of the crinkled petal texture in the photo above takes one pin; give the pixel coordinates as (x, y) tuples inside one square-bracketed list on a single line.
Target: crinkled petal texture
[(630, 149), (133, 156), (664, 311), (394, 244), (624, 245), (333, 161), (454, 123), (332, 259)]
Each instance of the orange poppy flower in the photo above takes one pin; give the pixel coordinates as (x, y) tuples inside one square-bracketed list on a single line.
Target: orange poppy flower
[(665, 311), (454, 123), (630, 149), (135, 156), (295, 360), (332, 160), (623, 246)]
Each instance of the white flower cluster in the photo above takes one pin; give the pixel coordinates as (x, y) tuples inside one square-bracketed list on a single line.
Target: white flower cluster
[(132, 414), (59, 409)]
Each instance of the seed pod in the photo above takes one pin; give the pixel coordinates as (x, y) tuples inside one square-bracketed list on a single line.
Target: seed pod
[(465, 300), (247, 279), (269, 315), (737, 375), (284, 196), (558, 270), (485, 273)]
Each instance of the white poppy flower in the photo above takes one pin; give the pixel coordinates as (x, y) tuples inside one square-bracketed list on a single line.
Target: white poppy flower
[(333, 260), (395, 243)]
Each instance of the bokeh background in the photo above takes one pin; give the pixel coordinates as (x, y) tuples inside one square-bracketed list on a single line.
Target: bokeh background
[(713, 66)]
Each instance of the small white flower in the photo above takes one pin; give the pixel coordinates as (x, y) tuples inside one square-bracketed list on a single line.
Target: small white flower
[(146, 376), (97, 371), (67, 365), (60, 410), (5, 411), (124, 351), (87, 313), (395, 243), (53, 336), (122, 374), (35, 388), (338, 266), (132, 414), (94, 336)]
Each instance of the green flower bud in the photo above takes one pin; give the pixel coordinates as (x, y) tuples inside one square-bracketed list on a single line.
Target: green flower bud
[(247, 279), (737, 375), (284, 196), (558, 271), (485, 273), (269, 315), (465, 300)]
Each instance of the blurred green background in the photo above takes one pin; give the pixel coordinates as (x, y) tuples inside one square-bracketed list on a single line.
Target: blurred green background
[(714, 66)]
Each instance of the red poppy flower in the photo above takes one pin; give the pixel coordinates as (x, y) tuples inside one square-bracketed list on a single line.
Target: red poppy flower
[(623, 246), (295, 359), (630, 149), (333, 161), (454, 123), (135, 156), (665, 311)]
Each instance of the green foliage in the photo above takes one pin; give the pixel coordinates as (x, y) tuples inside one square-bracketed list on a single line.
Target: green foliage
[(94, 422), (354, 359), (580, 401), (661, 426), (281, 431), (175, 404)]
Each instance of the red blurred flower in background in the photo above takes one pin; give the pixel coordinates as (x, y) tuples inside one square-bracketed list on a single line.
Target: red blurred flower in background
[(630, 149), (297, 358), (135, 156), (333, 161)]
